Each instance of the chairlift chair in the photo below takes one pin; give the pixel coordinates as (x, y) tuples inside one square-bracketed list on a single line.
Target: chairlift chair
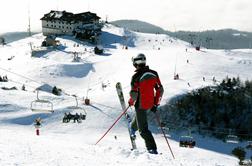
[(77, 109), (43, 106), (232, 139), (249, 145), (197, 48), (187, 141)]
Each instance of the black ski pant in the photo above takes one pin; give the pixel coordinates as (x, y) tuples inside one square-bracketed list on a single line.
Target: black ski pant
[(140, 123)]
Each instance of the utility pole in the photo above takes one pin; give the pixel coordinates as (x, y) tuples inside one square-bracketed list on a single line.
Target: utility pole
[(29, 20), (106, 21)]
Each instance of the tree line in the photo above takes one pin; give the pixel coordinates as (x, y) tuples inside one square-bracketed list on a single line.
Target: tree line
[(224, 108)]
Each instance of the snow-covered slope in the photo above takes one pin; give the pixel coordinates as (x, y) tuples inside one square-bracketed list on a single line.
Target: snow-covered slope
[(73, 144)]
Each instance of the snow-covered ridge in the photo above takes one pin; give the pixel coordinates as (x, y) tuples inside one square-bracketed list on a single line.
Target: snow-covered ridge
[(73, 144)]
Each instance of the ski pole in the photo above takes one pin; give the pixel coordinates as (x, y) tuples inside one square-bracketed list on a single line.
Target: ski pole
[(159, 123), (112, 125)]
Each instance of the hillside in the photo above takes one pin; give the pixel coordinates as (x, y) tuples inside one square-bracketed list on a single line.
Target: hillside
[(140, 26), (213, 39), (73, 143), (218, 39)]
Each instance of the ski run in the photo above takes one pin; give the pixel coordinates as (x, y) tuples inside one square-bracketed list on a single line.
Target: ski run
[(94, 77)]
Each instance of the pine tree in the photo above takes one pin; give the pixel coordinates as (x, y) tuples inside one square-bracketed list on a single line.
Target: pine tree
[(240, 153)]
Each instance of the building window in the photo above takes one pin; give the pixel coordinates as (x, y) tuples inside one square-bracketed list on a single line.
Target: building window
[(59, 26)]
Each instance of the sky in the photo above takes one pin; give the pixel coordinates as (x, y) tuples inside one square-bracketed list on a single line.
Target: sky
[(172, 15)]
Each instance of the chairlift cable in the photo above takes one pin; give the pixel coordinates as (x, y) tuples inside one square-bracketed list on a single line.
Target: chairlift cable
[(27, 78), (104, 105), (21, 83)]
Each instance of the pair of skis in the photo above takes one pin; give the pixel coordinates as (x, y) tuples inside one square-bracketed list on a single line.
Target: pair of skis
[(126, 115)]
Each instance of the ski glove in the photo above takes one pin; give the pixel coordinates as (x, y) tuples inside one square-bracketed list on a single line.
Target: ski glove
[(131, 102), (154, 109)]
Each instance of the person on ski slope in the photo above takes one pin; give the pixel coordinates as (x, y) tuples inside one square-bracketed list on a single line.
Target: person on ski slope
[(145, 94)]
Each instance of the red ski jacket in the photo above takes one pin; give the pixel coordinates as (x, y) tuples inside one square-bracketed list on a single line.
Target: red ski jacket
[(146, 88)]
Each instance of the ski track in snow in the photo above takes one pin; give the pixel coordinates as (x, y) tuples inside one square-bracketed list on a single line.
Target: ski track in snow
[(61, 144)]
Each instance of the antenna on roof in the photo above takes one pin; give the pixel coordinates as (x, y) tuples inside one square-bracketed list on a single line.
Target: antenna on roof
[(57, 5), (88, 6)]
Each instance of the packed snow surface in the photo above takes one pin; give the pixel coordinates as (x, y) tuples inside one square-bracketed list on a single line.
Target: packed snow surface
[(94, 77)]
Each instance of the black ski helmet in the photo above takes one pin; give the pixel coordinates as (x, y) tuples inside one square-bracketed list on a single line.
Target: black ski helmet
[(140, 59)]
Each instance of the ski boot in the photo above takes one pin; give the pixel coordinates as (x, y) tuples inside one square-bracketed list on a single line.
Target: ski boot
[(153, 151)]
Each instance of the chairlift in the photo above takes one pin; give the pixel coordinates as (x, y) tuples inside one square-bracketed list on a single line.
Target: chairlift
[(187, 140), (197, 48), (76, 111), (249, 145), (43, 106), (232, 139)]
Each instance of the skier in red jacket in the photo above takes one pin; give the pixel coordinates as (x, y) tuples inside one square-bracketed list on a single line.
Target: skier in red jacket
[(145, 95)]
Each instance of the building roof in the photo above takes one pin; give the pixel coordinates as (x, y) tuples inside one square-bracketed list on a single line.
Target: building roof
[(86, 16), (58, 15), (67, 16)]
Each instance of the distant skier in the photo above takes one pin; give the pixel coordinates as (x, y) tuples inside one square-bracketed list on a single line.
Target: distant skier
[(23, 87), (145, 95), (37, 122), (176, 76), (214, 80)]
